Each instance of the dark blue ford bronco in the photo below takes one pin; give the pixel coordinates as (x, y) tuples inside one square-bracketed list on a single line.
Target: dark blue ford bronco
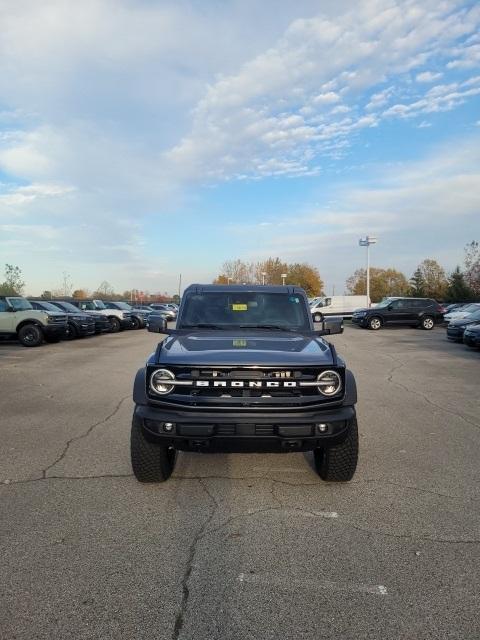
[(245, 370)]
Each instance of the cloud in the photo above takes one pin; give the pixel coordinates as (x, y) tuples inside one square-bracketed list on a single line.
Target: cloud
[(428, 76)]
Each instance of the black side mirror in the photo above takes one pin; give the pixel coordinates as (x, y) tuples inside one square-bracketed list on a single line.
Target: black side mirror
[(329, 326), (157, 324)]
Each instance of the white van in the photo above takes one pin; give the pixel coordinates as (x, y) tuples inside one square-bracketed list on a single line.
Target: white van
[(343, 306)]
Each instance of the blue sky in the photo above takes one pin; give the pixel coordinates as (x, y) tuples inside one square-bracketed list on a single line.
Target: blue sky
[(140, 140)]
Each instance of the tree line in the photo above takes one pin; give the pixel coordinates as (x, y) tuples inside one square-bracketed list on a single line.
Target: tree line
[(429, 280)]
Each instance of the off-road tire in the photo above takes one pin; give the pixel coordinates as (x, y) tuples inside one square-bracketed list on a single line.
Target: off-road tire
[(30, 335), (427, 323), (375, 323), (338, 463), (135, 323), (150, 462), (318, 317), (115, 325), (71, 332)]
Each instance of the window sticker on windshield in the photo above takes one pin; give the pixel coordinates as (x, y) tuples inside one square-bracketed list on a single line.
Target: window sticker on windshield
[(239, 307), (239, 343), (294, 299)]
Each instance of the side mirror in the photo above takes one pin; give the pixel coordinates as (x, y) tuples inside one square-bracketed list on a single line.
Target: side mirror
[(157, 324), (329, 326)]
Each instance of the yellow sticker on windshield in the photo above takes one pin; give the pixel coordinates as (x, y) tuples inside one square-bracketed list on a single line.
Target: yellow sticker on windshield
[(239, 307)]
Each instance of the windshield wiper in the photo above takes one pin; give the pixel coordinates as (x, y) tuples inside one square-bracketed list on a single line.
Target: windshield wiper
[(201, 325), (273, 327)]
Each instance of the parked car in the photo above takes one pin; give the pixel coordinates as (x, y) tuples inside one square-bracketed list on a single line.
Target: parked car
[(343, 306), (245, 370), (455, 306), (463, 312), (457, 327), (78, 324), (471, 335), (102, 323), (139, 316), (419, 312), (119, 320), (171, 314), (19, 320)]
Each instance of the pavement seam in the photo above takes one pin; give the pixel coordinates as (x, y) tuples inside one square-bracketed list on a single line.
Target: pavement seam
[(83, 435), (180, 617)]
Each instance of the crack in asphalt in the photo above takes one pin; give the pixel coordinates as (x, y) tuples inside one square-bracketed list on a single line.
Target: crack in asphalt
[(180, 617), (83, 435), (424, 397)]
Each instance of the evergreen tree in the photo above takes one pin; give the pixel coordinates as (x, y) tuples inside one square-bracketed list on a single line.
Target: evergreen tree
[(458, 289), (417, 284)]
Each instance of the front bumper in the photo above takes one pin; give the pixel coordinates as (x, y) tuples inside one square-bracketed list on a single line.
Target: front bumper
[(126, 323), (455, 333), (472, 340), (360, 320), (54, 330), (255, 432), (85, 328)]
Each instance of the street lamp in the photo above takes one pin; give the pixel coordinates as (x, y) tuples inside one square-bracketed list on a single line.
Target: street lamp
[(283, 276), (264, 273), (366, 242)]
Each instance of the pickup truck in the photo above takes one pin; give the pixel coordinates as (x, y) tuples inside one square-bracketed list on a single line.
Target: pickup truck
[(245, 369)]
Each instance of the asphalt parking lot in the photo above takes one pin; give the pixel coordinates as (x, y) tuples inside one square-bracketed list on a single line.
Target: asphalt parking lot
[(240, 547)]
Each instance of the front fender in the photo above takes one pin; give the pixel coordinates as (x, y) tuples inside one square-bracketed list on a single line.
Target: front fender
[(139, 388)]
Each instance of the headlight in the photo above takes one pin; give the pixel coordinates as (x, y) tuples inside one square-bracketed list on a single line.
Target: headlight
[(159, 381), (329, 383), (51, 318)]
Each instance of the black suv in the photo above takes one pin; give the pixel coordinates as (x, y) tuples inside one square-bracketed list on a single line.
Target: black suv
[(139, 316), (78, 324), (102, 324), (417, 312), (244, 370)]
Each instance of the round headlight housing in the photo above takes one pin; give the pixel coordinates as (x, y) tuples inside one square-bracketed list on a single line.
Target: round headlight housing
[(329, 383), (159, 381)]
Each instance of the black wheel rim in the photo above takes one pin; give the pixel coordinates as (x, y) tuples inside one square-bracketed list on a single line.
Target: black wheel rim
[(30, 336)]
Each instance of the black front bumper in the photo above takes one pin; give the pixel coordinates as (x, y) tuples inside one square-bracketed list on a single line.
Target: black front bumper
[(126, 323), (85, 328), (361, 321), (54, 330), (455, 333), (255, 432), (471, 341)]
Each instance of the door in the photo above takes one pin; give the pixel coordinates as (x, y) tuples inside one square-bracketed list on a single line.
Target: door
[(7, 318), (400, 312)]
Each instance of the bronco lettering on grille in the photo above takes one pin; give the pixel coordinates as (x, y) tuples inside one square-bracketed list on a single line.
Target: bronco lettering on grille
[(251, 384)]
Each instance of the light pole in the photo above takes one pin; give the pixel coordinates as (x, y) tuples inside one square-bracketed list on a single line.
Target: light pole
[(229, 280), (366, 242), (283, 276), (263, 277)]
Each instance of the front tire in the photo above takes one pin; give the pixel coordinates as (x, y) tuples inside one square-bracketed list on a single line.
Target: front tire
[(71, 332), (151, 462), (135, 323), (30, 335), (375, 323), (115, 325), (338, 463), (427, 323)]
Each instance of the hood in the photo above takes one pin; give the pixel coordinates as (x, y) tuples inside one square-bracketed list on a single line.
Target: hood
[(462, 322), (262, 348)]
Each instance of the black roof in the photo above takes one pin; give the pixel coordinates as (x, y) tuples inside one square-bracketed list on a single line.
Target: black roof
[(242, 288)]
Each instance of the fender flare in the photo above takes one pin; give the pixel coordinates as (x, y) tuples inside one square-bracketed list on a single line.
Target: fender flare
[(139, 389), (350, 389)]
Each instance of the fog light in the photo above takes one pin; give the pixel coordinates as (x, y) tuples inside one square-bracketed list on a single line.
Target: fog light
[(168, 426), (322, 427)]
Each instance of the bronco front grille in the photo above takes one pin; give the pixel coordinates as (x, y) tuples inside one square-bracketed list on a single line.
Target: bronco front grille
[(223, 387)]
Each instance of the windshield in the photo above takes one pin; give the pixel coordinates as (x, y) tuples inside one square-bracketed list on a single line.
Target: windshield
[(383, 304), (122, 305), (475, 315), (19, 304), (225, 310), (65, 306), (48, 306), (470, 308)]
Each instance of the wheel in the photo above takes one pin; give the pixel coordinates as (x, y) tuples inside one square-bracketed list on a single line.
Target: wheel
[(318, 317), (115, 325), (71, 332), (135, 323), (151, 462), (375, 323), (427, 323), (338, 464), (30, 335), (52, 339)]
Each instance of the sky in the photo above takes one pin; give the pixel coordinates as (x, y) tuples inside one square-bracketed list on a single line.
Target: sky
[(143, 139)]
